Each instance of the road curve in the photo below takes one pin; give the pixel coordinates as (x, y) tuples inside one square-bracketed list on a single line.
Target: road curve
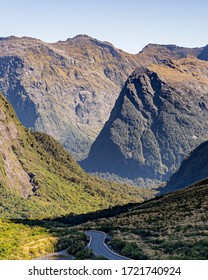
[(98, 246)]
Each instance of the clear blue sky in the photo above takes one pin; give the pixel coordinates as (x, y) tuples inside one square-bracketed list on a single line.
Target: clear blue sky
[(128, 24)]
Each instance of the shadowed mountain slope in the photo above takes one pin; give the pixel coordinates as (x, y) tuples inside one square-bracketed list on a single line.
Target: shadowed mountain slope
[(204, 54), (159, 117), (193, 168)]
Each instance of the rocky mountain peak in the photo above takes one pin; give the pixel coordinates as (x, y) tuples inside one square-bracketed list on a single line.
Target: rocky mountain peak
[(67, 89), (156, 121), (79, 38), (63, 88), (157, 53)]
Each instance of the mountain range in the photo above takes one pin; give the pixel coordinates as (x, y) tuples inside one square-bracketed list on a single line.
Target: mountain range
[(160, 115), (68, 89), (138, 118), (65, 89)]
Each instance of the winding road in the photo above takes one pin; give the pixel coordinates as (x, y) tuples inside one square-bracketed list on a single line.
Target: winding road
[(98, 246)]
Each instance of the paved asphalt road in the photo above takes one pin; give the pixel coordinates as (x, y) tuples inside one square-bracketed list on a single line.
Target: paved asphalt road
[(97, 244)]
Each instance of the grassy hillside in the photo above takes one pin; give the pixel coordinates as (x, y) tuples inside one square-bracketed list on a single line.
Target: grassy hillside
[(173, 226), (39, 180), (30, 240), (51, 182), (60, 186)]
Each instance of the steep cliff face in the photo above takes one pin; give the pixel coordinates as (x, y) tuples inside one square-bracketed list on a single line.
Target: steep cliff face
[(11, 71), (67, 89), (160, 116), (12, 173)]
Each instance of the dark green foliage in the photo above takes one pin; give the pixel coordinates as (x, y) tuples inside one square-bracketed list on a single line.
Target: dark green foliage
[(187, 250), (56, 151), (171, 226), (130, 249), (77, 243), (85, 254), (194, 168)]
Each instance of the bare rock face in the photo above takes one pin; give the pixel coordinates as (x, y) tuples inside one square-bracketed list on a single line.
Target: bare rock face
[(12, 173), (67, 89), (159, 117)]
